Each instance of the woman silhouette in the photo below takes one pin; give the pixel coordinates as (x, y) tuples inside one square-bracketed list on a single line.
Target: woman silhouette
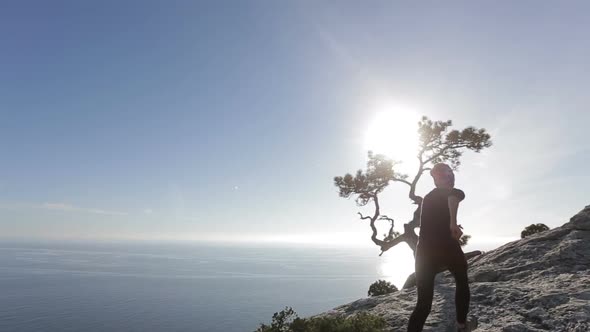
[(438, 247)]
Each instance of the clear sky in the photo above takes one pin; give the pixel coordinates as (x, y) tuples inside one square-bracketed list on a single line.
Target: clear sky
[(167, 120)]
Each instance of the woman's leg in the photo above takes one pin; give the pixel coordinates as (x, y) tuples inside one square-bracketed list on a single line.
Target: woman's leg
[(458, 267), (425, 273)]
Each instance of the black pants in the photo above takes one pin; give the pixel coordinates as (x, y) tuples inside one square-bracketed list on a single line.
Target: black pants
[(429, 260)]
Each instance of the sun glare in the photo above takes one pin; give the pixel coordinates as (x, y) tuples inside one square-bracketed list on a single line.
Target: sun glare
[(397, 264), (393, 132)]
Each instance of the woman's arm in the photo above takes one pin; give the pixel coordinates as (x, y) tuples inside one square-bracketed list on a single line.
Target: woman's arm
[(453, 207), (455, 197)]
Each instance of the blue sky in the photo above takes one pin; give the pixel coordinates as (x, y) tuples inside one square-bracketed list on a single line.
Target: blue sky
[(180, 120)]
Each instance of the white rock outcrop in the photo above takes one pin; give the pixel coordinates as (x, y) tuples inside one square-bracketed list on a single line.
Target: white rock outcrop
[(540, 283)]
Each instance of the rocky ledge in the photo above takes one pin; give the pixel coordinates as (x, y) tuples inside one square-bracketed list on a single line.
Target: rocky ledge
[(540, 283)]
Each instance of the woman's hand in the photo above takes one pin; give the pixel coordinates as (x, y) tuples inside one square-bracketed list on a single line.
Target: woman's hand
[(456, 232)]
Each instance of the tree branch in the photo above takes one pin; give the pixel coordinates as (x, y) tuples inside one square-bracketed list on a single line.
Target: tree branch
[(377, 212), (384, 217), (365, 217), (441, 152), (412, 195), (402, 181), (373, 228), (372, 221)]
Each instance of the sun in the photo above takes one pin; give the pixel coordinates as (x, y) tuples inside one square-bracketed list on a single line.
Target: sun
[(393, 132)]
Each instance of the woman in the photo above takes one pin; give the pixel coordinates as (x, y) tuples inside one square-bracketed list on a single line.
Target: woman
[(439, 248)]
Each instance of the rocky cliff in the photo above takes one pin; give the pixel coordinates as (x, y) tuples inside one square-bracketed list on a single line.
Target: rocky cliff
[(540, 283)]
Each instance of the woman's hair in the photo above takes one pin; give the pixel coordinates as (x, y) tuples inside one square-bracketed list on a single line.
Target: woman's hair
[(443, 174)]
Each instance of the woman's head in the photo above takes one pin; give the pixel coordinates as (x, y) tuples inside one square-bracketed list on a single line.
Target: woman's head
[(443, 176)]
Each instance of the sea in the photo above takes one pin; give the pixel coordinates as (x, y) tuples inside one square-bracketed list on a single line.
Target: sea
[(82, 286)]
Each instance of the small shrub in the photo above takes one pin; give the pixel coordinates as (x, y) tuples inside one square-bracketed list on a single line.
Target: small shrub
[(288, 321), (532, 229), (464, 239), (281, 321), (381, 287)]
